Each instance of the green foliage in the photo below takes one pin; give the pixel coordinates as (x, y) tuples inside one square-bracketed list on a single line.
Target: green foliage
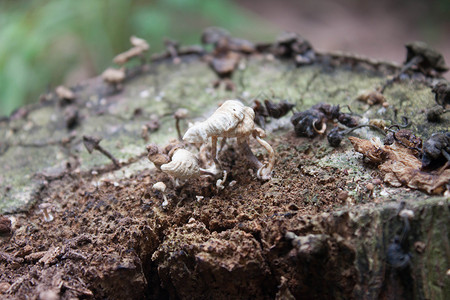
[(45, 43)]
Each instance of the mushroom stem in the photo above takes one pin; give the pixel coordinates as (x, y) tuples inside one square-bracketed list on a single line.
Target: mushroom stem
[(414, 61), (177, 125), (213, 171), (265, 171), (109, 155), (220, 182), (47, 216), (214, 151), (362, 126), (179, 114), (93, 143), (166, 201), (45, 210), (245, 148)]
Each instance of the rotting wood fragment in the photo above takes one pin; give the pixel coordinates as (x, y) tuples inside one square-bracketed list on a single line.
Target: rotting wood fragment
[(401, 168)]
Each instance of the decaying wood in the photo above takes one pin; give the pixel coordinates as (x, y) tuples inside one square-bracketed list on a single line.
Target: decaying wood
[(324, 227)]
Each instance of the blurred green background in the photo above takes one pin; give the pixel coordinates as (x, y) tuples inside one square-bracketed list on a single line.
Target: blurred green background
[(45, 43)]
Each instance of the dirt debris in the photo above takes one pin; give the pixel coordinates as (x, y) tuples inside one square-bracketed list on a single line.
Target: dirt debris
[(5, 225), (112, 238)]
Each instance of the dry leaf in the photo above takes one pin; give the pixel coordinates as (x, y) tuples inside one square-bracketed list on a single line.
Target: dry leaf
[(401, 168)]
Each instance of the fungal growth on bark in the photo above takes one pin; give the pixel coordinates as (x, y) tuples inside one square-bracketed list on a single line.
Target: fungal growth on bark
[(233, 120), (313, 121), (373, 97), (65, 94), (226, 55), (424, 58), (156, 156), (161, 187), (441, 92), (140, 46), (436, 151), (270, 110), (114, 77), (336, 135), (292, 45), (184, 165)]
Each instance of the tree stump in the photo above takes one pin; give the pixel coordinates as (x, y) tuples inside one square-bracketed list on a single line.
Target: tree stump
[(316, 230)]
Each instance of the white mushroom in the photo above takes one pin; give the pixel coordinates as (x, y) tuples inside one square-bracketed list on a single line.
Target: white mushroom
[(140, 43), (184, 165), (139, 47), (233, 120), (64, 93), (160, 186), (46, 211), (220, 182), (406, 213), (114, 76)]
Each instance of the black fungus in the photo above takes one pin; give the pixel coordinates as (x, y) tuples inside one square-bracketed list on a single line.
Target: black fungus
[(436, 151), (307, 123), (278, 110), (434, 114), (347, 120), (330, 111), (427, 59), (442, 93), (396, 256), (335, 137), (292, 45)]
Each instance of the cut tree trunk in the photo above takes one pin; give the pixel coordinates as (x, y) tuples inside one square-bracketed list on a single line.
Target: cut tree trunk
[(314, 231)]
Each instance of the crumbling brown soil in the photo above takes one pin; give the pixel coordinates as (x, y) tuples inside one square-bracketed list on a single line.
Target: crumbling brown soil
[(116, 241)]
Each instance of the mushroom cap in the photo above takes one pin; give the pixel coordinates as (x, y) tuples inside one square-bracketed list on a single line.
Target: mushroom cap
[(155, 155), (159, 186), (64, 93), (406, 213), (181, 113), (432, 58), (295, 41), (308, 123), (231, 119), (224, 65), (45, 205), (112, 75), (152, 149), (371, 97), (241, 45), (140, 43), (287, 37), (212, 35), (184, 165), (91, 142)]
